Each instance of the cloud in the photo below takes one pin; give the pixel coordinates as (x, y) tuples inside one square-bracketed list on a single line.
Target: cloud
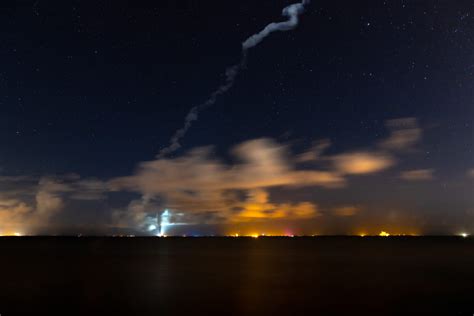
[(404, 134), (72, 187), (257, 206), (346, 211), (201, 188), (470, 173), (89, 190), (28, 201), (362, 162), (199, 183), (15, 179), (139, 213), (49, 199), (12, 211), (418, 175), (315, 152), (48, 203), (261, 163)]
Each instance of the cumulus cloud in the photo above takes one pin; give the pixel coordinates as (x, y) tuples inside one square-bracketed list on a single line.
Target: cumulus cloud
[(197, 182), (52, 191), (28, 201), (203, 189), (261, 163), (418, 175), (404, 134), (362, 162)]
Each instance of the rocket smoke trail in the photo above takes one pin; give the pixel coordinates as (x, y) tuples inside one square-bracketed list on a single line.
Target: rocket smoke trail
[(292, 12)]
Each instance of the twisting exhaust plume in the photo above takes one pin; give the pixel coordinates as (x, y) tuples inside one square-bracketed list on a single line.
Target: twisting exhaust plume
[(292, 12), (231, 74)]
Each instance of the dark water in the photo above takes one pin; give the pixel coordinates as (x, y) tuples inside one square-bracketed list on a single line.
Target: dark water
[(237, 276)]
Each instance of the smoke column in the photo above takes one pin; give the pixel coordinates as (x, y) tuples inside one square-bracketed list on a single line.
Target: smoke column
[(292, 12)]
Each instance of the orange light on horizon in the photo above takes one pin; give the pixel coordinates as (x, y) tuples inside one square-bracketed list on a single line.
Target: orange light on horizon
[(8, 234), (384, 234)]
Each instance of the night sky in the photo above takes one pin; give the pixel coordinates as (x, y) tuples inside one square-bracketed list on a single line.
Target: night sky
[(358, 120)]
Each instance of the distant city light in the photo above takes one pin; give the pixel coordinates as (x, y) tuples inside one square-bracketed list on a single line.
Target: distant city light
[(464, 235), (384, 234), (10, 234)]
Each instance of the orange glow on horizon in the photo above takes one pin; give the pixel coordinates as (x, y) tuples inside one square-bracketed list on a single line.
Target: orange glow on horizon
[(11, 234)]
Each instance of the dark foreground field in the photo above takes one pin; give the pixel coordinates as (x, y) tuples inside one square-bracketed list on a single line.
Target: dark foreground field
[(237, 276)]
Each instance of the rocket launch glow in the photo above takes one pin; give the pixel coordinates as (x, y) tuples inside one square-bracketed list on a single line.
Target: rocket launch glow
[(164, 222)]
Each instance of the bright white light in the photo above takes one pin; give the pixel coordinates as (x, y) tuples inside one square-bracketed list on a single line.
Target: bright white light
[(151, 227), (17, 234), (164, 222), (464, 235)]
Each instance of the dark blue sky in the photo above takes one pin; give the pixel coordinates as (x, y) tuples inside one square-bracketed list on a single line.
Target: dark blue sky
[(93, 89)]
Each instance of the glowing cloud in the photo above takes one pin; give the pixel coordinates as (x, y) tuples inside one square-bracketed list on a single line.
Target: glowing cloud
[(346, 211), (362, 162), (418, 175), (257, 206), (200, 184), (13, 211)]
